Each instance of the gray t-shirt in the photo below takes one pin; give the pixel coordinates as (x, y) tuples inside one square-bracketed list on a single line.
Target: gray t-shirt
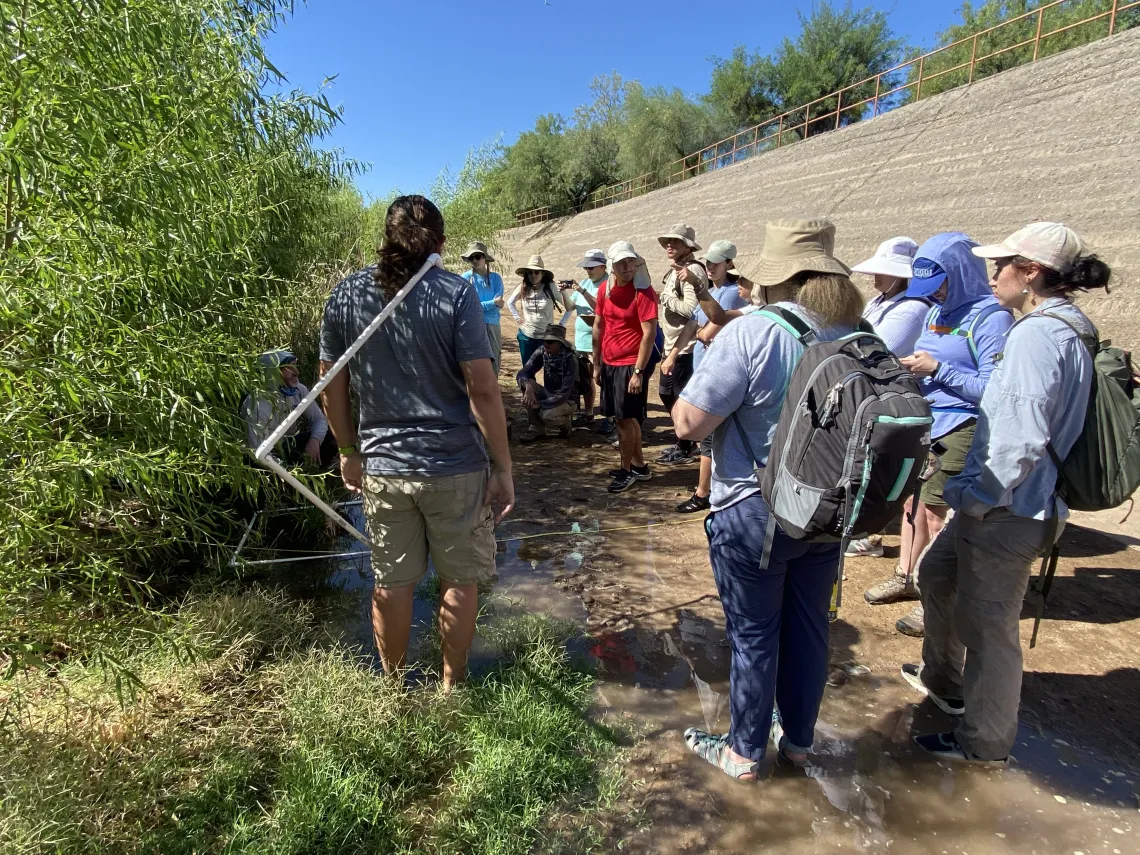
[(746, 372), (415, 415)]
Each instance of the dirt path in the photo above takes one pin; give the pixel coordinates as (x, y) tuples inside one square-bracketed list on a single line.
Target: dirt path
[(657, 628)]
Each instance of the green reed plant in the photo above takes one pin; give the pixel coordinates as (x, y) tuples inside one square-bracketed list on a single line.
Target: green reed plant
[(163, 214)]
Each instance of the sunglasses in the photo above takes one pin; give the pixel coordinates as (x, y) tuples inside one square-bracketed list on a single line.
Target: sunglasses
[(478, 256)]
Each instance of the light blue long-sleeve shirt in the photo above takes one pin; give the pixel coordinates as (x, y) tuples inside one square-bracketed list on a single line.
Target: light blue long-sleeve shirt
[(1037, 394), (488, 287)]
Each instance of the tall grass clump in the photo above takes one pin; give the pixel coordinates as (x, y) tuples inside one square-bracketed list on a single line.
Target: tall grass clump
[(270, 743), (162, 217)]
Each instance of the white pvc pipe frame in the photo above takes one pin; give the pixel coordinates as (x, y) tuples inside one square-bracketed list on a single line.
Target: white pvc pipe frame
[(264, 453)]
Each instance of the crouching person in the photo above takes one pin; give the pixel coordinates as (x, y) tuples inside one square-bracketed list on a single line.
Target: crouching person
[(430, 411), (776, 609), (265, 409), (974, 576), (550, 407)]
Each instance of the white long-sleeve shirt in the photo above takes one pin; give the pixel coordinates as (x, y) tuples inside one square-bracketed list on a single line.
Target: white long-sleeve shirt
[(263, 415)]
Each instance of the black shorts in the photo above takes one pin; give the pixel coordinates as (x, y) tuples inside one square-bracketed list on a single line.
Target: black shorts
[(671, 385), (616, 401), (706, 446)]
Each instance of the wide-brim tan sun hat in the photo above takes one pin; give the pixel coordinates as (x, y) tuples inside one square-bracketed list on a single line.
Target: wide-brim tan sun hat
[(894, 257), (557, 332), (1051, 245), (796, 246), (477, 247), (535, 263), (681, 232)]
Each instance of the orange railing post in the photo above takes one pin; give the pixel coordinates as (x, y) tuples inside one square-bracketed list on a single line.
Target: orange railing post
[(973, 58), (921, 68), (1037, 38), (1112, 18), (878, 81)]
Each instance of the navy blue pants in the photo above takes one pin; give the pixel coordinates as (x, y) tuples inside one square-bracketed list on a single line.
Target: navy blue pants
[(776, 619)]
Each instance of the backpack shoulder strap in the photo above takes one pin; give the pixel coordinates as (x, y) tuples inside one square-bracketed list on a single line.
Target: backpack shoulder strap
[(791, 322), (1092, 342), (978, 318)]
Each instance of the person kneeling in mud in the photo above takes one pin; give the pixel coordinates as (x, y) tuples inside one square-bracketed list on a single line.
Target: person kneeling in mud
[(550, 407)]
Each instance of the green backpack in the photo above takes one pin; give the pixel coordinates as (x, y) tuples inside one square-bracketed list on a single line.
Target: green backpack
[(1102, 469)]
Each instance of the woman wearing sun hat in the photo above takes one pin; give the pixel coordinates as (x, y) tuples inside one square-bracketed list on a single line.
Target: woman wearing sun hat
[(489, 287), (897, 319), (724, 291), (540, 300), (974, 577), (953, 358), (775, 612)]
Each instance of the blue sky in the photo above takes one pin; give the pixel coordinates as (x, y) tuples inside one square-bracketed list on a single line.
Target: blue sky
[(423, 81)]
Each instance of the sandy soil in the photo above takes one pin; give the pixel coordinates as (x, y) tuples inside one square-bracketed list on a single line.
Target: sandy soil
[(656, 626)]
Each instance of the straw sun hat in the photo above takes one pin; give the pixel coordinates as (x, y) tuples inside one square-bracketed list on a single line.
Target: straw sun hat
[(795, 246), (477, 246), (535, 263)]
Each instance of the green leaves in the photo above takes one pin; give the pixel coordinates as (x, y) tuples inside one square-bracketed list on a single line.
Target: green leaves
[(167, 220)]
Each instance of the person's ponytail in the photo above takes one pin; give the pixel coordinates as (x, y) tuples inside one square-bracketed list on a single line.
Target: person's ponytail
[(1088, 272), (413, 230)]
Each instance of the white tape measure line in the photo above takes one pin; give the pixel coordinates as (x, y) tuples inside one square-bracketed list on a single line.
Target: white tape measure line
[(264, 452)]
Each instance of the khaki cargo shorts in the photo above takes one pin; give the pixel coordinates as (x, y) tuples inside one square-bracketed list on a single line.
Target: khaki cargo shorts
[(410, 519), (957, 444)]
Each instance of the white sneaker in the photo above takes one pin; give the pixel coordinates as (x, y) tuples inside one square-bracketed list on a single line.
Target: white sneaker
[(864, 549)]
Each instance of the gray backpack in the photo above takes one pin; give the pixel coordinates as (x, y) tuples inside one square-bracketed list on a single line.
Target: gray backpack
[(852, 439)]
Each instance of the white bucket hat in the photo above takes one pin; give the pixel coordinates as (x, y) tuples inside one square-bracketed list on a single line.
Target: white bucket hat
[(1051, 245), (720, 250), (894, 257)]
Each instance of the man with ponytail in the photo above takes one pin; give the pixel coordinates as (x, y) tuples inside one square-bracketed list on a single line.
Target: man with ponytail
[(430, 416), (775, 610)]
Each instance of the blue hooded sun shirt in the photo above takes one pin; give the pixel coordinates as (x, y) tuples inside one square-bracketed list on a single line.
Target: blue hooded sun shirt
[(955, 390)]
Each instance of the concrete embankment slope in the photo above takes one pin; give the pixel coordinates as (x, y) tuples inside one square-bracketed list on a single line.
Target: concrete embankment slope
[(1058, 140)]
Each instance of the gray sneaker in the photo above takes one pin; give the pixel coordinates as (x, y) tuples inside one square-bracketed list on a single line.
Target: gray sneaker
[(891, 590), (913, 624)]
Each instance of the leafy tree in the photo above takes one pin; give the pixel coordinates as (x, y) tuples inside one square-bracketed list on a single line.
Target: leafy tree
[(835, 48), (162, 215), (991, 13), (662, 127)]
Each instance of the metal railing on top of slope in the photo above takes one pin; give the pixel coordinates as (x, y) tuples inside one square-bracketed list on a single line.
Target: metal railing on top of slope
[(795, 125)]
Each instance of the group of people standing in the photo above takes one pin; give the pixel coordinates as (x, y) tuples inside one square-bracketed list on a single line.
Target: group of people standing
[(999, 358)]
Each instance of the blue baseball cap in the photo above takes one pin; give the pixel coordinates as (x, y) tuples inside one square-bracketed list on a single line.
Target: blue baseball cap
[(926, 278)]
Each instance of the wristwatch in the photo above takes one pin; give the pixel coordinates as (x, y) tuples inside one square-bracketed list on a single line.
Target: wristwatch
[(638, 371)]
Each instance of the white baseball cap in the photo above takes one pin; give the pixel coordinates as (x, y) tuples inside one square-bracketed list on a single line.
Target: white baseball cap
[(894, 257), (620, 249), (1051, 245), (720, 250)]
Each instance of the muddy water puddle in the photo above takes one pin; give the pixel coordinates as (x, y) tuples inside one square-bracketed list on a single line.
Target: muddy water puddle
[(665, 668)]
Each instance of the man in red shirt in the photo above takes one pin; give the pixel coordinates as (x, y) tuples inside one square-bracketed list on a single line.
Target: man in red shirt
[(625, 327)]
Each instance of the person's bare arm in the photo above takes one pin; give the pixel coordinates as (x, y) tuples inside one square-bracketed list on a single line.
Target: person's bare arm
[(599, 329), (338, 411), (487, 407), (692, 422), (587, 296)]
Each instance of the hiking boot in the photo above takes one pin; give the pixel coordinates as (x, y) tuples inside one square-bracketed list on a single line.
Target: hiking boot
[(913, 624), (531, 435), (582, 420), (623, 481), (694, 504), (951, 706), (864, 548), (945, 746), (891, 590)]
